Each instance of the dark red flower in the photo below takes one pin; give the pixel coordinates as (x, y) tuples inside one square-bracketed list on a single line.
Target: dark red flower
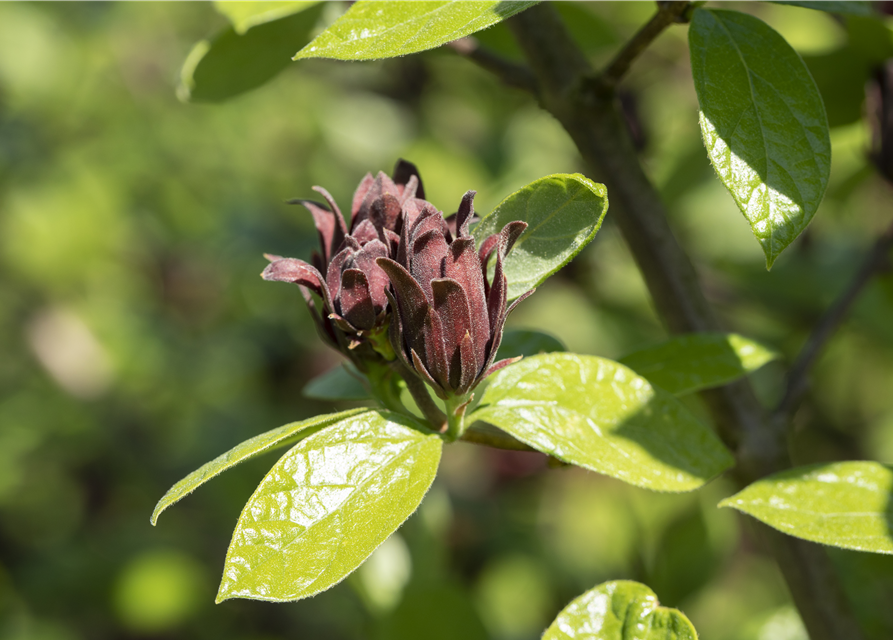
[(449, 318), (344, 273)]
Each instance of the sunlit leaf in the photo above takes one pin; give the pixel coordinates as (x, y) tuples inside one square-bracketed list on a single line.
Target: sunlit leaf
[(374, 29), (600, 415), (698, 361), (527, 342), (563, 213), (844, 504), (337, 384), (233, 63), (244, 15), (852, 7), (620, 610), (763, 123), (282, 437), (326, 505)]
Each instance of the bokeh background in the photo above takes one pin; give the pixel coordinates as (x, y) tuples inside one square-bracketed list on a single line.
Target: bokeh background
[(137, 340)]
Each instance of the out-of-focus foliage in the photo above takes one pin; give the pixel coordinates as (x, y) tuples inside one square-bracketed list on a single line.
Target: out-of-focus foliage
[(138, 341)]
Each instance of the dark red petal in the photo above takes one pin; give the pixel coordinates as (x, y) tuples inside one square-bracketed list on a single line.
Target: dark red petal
[(451, 306), (326, 224), (355, 300), (365, 232), (272, 257), (464, 214), (419, 367), (497, 299), (360, 195), (385, 212), (342, 260), (395, 332), (469, 365), (510, 234), (404, 171), (339, 219), (342, 323), (463, 265), (500, 365), (430, 219), (426, 261), (297, 272), (412, 304), (378, 280), (435, 355)]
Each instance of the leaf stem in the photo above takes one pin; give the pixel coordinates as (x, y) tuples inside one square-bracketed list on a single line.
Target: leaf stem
[(797, 382)]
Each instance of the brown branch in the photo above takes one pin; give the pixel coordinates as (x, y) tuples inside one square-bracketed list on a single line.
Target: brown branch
[(511, 73), (591, 119), (798, 383), (667, 14)]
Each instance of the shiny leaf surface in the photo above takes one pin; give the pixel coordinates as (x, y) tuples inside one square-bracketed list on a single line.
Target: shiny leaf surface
[(620, 610), (374, 29), (326, 505), (563, 213), (283, 436), (600, 415), (844, 504), (763, 123), (527, 342), (851, 7), (698, 361), (244, 15), (337, 384), (233, 63)]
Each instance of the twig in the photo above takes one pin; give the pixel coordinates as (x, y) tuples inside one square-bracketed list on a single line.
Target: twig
[(591, 119), (511, 73), (797, 383), (667, 14)]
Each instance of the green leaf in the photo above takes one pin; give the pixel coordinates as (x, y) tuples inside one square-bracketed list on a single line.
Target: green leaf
[(843, 504), (373, 29), (527, 342), (763, 123), (852, 7), (326, 505), (620, 610), (698, 361), (337, 384), (600, 415), (232, 64), (275, 439), (563, 213), (244, 15)]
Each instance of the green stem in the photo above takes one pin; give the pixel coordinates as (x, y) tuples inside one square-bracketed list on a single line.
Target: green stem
[(419, 392), (455, 406)]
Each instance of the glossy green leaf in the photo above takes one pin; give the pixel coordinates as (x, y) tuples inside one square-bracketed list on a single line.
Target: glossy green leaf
[(282, 437), (698, 361), (231, 64), (763, 123), (620, 610), (244, 15), (852, 7), (326, 505), (374, 29), (600, 415), (563, 213), (843, 504), (337, 384), (527, 342)]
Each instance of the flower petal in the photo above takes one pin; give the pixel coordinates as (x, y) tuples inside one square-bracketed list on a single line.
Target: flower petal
[(464, 214), (385, 212), (427, 258), (360, 195), (355, 300), (404, 171), (451, 306), (463, 265), (364, 259), (331, 234)]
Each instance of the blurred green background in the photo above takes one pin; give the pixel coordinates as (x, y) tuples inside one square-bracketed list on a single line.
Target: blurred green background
[(137, 340)]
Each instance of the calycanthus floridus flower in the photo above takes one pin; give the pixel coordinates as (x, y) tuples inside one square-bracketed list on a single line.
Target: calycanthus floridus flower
[(450, 318), (344, 273)]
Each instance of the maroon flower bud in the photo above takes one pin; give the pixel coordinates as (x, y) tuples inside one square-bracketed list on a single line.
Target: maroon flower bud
[(344, 273), (449, 318)]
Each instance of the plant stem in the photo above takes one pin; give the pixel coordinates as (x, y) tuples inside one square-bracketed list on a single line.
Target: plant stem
[(667, 14), (511, 73), (797, 383), (423, 400), (591, 119)]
